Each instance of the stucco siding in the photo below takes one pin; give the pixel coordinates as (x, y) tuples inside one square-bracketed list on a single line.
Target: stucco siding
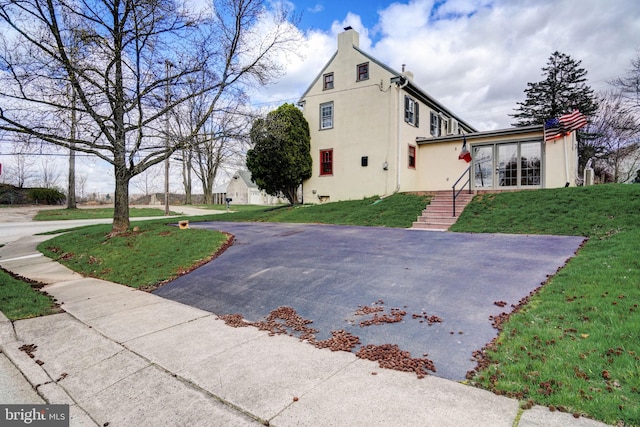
[(363, 121)]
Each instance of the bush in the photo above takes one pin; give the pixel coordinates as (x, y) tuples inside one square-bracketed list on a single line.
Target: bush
[(49, 196)]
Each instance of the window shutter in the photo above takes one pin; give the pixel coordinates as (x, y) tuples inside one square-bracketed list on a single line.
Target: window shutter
[(417, 113)]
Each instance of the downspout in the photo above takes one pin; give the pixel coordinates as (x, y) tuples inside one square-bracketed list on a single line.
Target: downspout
[(399, 117)]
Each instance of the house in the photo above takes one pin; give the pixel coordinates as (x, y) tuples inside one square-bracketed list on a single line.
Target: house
[(243, 191), (374, 131)]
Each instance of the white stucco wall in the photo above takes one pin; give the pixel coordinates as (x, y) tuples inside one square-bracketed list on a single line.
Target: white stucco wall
[(440, 167), (368, 122)]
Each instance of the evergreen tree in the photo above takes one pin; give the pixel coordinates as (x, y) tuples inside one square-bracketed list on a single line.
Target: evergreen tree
[(281, 155), (562, 90)]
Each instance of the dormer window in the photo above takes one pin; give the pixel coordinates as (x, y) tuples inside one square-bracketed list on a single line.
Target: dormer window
[(363, 71), (327, 81)]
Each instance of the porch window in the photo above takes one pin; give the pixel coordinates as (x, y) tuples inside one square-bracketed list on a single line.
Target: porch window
[(510, 165), (530, 164), (326, 162), (412, 156)]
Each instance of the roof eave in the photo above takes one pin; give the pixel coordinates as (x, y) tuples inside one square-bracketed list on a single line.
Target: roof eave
[(485, 134)]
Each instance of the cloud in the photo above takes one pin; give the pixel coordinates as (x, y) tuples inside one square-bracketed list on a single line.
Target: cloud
[(315, 9), (477, 56)]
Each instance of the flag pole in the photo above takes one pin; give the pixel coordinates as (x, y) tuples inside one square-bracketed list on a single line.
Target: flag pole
[(566, 160)]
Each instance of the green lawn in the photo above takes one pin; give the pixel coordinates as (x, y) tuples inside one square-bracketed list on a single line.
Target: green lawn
[(399, 210), (94, 213), (20, 300), (574, 346), (153, 254)]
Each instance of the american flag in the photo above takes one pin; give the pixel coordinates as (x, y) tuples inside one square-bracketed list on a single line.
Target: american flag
[(557, 127)]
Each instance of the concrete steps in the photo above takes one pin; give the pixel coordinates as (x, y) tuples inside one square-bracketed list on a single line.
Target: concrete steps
[(438, 215)]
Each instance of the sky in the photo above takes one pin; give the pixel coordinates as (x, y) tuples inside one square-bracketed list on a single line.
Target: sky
[(474, 56)]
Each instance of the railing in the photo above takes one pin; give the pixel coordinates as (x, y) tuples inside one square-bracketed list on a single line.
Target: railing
[(453, 187)]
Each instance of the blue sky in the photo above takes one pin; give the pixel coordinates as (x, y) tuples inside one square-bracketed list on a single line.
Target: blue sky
[(319, 15), (474, 56)]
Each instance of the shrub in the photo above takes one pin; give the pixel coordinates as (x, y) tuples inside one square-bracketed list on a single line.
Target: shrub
[(49, 196)]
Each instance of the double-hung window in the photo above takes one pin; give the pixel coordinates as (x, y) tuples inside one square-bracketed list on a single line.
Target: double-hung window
[(412, 156), (326, 115), (327, 81), (435, 124), (411, 111), (363, 71), (326, 162)]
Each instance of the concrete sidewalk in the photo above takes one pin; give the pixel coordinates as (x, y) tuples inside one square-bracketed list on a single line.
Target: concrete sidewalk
[(129, 358)]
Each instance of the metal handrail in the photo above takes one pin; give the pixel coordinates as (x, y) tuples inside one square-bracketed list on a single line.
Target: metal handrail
[(453, 187)]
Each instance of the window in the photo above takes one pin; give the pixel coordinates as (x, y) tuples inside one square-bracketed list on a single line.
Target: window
[(326, 162), (363, 71), (327, 81), (412, 156), (515, 165), (411, 111), (435, 124), (326, 115)]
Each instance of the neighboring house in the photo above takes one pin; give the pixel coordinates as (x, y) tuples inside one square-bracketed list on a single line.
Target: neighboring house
[(375, 132), (243, 191)]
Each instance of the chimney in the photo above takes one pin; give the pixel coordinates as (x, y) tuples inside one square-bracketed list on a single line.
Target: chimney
[(407, 74), (348, 39)]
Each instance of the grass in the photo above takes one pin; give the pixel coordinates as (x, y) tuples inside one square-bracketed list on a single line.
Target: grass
[(399, 210), (19, 300), (234, 208), (575, 345), (94, 213), (158, 253), (154, 254)]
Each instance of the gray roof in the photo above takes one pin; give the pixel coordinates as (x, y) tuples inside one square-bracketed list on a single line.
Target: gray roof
[(246, 177)]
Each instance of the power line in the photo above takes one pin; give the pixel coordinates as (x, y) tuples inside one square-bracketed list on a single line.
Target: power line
[(47, 154)]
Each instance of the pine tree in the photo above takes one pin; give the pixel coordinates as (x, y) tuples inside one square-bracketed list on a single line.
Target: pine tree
[(563, 90)]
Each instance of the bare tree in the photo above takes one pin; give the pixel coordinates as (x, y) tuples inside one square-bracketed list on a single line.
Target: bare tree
[(223, 146), (615, 130), (221, 141), (21, 171), (117, 70), (81, 185), (148, 181), (49, 174), (629, 84)]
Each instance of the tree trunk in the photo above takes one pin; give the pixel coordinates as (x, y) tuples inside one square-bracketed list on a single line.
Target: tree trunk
[(186, 175), (121, 202), (71, 189)]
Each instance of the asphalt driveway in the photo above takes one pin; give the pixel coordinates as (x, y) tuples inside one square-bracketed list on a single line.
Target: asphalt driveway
[(326, 273)]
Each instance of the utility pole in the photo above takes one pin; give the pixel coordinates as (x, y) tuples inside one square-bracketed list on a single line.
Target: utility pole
[(71, 189), (167, 66)]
